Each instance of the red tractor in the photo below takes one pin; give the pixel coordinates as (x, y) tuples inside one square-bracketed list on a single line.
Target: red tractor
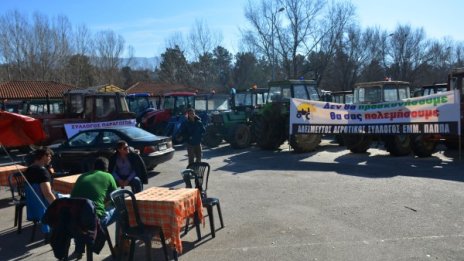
[(84, 105), (167, 120)]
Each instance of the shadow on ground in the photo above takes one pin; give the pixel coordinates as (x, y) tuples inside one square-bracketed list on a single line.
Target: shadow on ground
[(368, 165)]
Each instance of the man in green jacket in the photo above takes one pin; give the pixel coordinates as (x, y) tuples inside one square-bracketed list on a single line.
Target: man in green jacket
[(97, 186)]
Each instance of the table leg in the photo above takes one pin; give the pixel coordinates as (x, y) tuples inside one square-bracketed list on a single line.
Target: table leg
[(196, 220), (175, 255)]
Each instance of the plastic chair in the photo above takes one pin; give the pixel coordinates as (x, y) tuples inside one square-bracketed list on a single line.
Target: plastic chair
[(36, 206), (202, 170), (139, 231), (18, 195), (75, 218)]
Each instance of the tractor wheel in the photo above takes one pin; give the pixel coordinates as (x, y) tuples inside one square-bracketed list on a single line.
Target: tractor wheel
[(269, 134), (212, 137), (398, 145), (357, 143), (339, 139), (451, 145), (422, 145), (239, 136), (304, 142)]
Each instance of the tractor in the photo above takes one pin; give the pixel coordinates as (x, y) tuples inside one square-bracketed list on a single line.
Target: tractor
[(141, 103), (270, 124), (80, 106), (167, 120), (234, 125), (378, 92), (426, 143)]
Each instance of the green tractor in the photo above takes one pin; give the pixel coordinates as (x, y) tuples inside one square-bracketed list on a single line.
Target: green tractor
[(270, 124), (234, 125)]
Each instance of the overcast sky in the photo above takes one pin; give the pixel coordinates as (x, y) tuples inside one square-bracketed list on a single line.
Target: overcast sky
[(145, 24)]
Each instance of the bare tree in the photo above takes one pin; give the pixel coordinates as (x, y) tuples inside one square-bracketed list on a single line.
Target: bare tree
[(202, 40), (14, 44), (408, 53), (334, 25), (109, 48)]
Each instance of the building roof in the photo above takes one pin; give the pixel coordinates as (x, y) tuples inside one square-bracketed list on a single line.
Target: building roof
[(104, 88), (157, 88), (32, 89)]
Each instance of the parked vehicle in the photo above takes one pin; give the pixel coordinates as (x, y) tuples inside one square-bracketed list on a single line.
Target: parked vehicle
[(345, 97), (430, 89), (270, 124), (167, 120), (234, 125), (456, 82), (141, 103), (76, 155), (427, 143), (378, 92), (209, 104)]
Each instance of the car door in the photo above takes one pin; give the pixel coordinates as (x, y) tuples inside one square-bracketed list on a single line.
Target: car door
[(73, 155), (107, 143)]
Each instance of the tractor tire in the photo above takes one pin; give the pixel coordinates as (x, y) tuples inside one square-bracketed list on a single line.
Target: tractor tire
[(239, 136), (305, 142), (452, 144), (339, 139), (357, 143), (269, 133), (422, 146), (398, 145), (212, 137)]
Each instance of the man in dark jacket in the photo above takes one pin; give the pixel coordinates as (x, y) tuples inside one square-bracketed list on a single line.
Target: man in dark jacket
[(191, 131), (128, 168)]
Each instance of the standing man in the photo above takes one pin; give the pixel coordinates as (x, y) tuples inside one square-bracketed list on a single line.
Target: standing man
[(128, 168), (192, 131), (97, 186)]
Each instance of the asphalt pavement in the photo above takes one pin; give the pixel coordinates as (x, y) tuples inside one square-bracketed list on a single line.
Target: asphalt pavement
[(325, 205)]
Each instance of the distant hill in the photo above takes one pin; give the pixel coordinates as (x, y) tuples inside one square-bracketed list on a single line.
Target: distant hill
[(138, 63)]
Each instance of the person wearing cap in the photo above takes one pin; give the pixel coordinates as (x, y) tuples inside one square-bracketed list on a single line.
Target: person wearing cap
[(191, 132)]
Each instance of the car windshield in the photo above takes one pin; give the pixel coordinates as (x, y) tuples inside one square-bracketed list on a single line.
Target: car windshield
[(136, 133), (84, 138)]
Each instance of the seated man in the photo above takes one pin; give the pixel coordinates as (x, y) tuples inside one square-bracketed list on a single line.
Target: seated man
[(97, 185), (39, 194), (128, 168), (39, 176)]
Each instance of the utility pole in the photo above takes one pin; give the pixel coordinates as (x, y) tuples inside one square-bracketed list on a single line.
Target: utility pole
[(273, 18)]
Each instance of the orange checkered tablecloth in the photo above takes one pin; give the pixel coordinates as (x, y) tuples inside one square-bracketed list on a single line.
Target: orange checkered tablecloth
[(65, 184), (167, 208), (6, 171)]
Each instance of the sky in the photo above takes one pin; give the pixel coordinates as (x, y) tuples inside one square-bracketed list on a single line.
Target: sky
[(146, 24)]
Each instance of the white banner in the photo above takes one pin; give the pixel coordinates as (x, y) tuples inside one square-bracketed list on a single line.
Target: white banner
[(73, 128), (437, 113)]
